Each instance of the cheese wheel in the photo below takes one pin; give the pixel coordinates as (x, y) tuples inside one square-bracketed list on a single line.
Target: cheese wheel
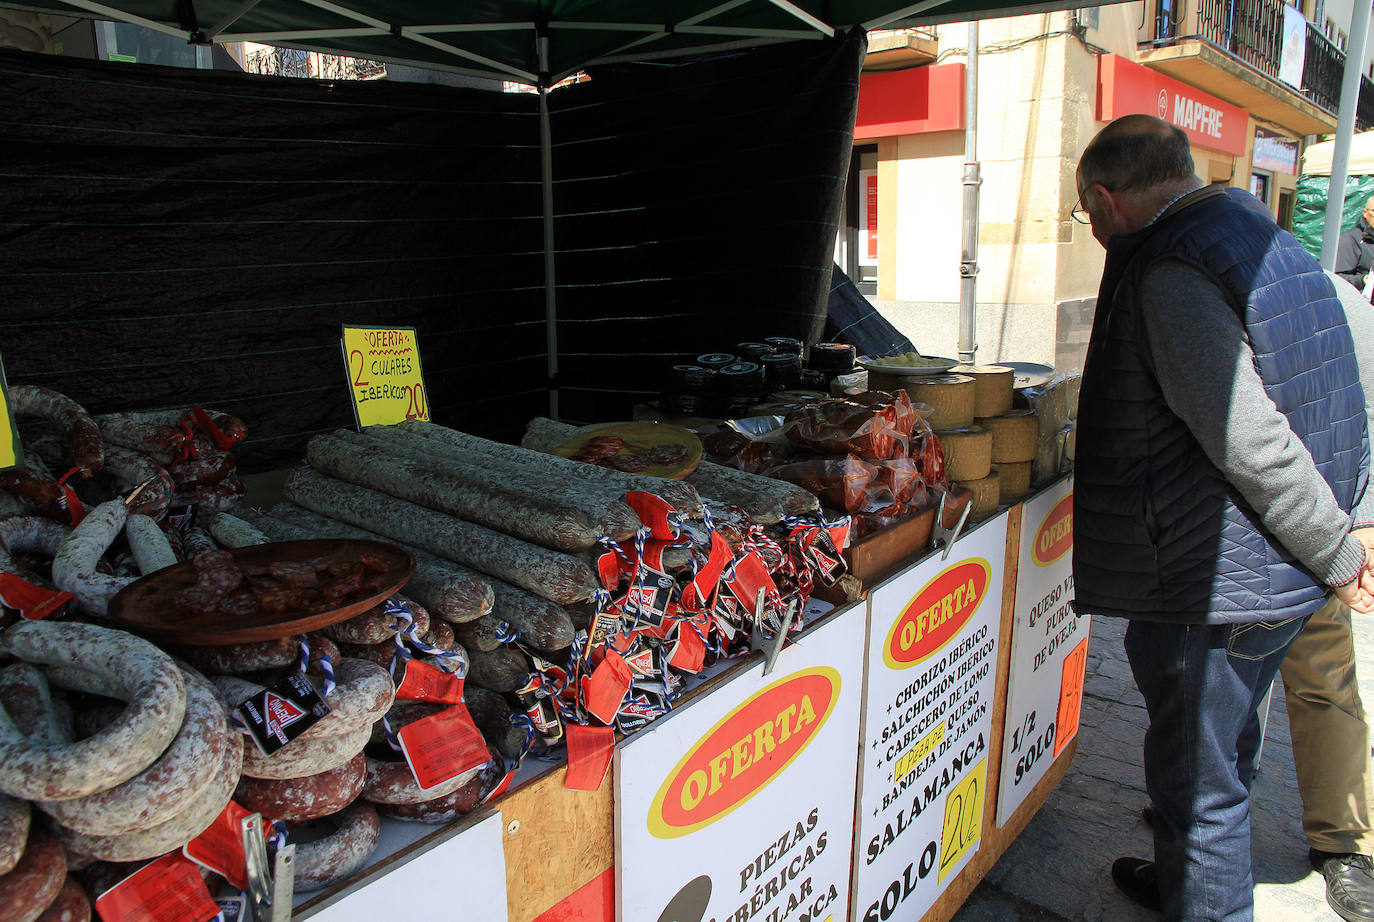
[(987, 496), (968, 452), (1015, 478), (950, 397), (1014, 435), (992, 388)]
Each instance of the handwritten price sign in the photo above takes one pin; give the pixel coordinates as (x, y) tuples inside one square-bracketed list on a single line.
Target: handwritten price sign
[(384, 375), (963, 818), (9, 436)]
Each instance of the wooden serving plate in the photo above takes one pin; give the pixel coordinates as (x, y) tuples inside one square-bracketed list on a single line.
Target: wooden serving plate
[(148, 605), (639, 438)]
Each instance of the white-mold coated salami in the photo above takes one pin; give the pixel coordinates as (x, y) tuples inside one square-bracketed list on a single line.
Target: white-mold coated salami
[(554, 575), (232, 531), (168, 786), (362, 693), (148, 542), (302, 757), (601, 503), (322, 862), (84, 445), (15, 816), (483, 500), (129, 469), (307, 798), (173, 833), (454, 593), (74, 566), (126, 667), (681, 496), (29, 534)]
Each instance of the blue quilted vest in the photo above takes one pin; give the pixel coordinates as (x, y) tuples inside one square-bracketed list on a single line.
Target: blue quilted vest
[(1159, 533)]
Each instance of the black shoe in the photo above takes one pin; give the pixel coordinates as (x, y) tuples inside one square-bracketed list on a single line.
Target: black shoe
[(1137, 879), (1349, 884)]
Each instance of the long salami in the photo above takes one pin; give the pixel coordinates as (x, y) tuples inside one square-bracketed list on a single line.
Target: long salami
[(541, 624), (483, 634), (148, 542), (232, 531), (552, 574), (683, 497), (166, 787), (538, 519), (501, 670), (766, 499), (162, 434), (129, 668), (454, 593), (84, 445), (129, 469), (29, 534), (74, 566), (602, 504)]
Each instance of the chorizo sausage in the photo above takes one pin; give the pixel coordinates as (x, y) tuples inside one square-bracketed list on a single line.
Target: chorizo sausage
[(307, 798)]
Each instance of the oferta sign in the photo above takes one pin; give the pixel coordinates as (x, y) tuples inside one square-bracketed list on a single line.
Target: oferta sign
[(741, 805)]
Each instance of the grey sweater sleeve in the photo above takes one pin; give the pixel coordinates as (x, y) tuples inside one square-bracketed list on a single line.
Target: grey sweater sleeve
[(1206, 371)]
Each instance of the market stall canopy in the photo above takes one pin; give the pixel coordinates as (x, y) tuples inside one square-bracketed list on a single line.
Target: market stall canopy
[(527, 41), (1316, 160)]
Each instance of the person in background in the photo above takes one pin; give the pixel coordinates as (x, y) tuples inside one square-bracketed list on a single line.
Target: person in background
[(1222, 449), (1355, 250)]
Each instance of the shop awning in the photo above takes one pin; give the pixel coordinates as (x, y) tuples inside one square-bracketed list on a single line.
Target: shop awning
[(528, 41)]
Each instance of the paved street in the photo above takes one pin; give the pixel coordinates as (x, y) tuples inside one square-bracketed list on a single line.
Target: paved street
[(1060, 867)]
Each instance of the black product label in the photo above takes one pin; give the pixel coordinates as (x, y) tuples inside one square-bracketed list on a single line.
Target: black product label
[(821, 554), (649, 598), (233, 909), (277, 715)]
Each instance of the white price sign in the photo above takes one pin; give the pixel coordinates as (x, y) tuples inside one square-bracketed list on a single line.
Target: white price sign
[(932, 675), (741, 805), (1049, 649)]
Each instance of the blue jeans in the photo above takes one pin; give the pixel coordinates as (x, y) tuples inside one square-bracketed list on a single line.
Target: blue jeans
[(1202, 686)]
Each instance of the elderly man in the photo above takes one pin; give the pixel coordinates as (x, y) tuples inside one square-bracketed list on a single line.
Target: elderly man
[(1221, 452), (1355, 249)]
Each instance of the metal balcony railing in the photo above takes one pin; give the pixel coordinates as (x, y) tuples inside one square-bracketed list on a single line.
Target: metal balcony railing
[(1252, 31)]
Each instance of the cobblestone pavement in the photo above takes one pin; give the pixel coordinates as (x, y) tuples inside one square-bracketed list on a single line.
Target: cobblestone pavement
[(1060, 867)]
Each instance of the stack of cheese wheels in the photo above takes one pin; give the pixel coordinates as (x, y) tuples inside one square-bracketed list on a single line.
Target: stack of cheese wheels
[(992, 388), (950, 397), (1015, 435), (968, 452)]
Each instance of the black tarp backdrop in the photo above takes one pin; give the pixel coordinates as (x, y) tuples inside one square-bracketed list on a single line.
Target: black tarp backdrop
[(174, 237)]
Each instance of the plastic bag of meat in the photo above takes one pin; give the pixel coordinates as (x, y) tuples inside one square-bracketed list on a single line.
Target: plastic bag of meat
[(865, 425), (847, 484), (734, 449)]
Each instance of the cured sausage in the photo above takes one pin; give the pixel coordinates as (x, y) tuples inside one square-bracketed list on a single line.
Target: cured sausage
[(148, 542), (172, 833), (373, 626), (336, 856), (542, 624), (25, 695), (36, 880), (163, 435), (362, 693), (71, 904), (552, 574), (236, 659), (454, 593), (211, 498), (15, 817), (682, 496), (483, 634), (165, 788), (128, 469), (123, 666), (491, 713), (74, 566), (483, 500), (84, 445), (302, 757), (602, 505), (29, 534), (300, 799), (501, 670), (393, 783), (232, 531), (208, 467), (448, 808), (35, 490)]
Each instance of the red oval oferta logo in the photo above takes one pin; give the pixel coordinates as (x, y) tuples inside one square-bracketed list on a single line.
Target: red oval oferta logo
[(1054, 537), (937, 613), (746, 750)]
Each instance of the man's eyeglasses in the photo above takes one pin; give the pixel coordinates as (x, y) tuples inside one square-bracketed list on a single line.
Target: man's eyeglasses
[(1080, 214)]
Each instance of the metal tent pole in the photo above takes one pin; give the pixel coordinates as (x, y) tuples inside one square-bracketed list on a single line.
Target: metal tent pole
[(1345, 129), (968, 264), (546, 171)]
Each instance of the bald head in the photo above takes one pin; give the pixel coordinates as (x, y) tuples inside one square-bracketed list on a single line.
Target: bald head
[(1140, 154)]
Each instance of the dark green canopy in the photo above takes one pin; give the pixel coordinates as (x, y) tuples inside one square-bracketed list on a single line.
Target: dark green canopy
[(529, 41)]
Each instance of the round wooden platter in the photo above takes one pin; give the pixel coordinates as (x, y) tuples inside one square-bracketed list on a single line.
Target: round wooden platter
[(148, 605), (639, 438)]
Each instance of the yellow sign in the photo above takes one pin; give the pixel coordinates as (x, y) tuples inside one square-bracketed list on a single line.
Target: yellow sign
[(963, 818), (913, 757), (10, 454), (384, 375)]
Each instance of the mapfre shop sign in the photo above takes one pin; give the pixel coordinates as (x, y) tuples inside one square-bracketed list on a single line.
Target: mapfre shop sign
[(1126, 88)]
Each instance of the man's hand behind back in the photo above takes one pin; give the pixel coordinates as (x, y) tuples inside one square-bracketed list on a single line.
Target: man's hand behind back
[(1359, 595)]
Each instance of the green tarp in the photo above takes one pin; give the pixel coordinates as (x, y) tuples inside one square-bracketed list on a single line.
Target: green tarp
[(1309, 212)]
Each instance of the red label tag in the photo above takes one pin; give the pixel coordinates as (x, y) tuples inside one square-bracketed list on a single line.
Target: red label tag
[(589, 756), (605, 688), (747, 577), (32, 602), (168, 890), (220, 846), (207, 425), (423, 682), (697, 595), (610, 568), (839, 532), (442, 747), (74, 507), (500, 788), (653, 512), (689, 654)]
